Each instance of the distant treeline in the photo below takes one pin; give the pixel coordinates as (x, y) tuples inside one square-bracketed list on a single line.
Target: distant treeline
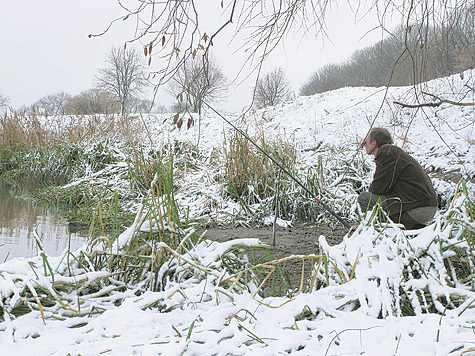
[(408, 56)]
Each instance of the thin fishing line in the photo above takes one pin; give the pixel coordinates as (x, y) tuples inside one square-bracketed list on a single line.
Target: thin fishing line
[(330, 210)]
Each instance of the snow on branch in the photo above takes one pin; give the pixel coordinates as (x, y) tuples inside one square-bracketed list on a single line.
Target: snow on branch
[(437, 101)]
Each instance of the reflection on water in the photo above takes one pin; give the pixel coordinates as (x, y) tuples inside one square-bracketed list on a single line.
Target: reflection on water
[(20, 219)]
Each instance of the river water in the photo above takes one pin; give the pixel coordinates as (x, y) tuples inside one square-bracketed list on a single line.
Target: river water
[(21, 220)]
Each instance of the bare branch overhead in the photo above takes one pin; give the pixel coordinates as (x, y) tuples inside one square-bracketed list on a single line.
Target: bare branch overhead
[(172, 31)]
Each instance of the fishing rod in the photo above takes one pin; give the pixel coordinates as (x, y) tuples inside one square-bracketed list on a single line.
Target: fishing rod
[(330, 210)]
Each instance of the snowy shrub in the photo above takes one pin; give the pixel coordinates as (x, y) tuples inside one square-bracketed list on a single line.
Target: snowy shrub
[(389, 271)]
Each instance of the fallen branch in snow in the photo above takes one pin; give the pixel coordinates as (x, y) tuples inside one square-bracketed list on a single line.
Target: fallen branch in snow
[(437, 102)]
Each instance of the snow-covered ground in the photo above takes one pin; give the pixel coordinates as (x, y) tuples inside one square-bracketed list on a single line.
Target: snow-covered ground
[(358, 313)]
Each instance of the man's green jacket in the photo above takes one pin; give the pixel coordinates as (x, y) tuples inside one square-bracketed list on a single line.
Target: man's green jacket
[(402, 180)]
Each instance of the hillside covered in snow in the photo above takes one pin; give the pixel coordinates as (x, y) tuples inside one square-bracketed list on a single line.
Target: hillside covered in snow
[(157, 289)]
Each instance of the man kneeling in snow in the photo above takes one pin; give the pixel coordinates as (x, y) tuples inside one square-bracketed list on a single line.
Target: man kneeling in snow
[(400, 183)]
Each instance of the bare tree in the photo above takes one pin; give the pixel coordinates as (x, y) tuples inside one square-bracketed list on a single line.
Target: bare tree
[(91, 102), (52, 104), (141, 106), (4, 101), (272, 89), (123, 77), (199, 79)]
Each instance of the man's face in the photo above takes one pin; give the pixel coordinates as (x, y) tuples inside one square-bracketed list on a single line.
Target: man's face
[(370, 146)]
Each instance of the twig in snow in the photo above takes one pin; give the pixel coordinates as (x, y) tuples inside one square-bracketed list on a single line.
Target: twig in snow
[(341, 332)]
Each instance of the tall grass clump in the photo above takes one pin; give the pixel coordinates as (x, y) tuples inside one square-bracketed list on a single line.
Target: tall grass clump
[(40, 167), (337, 180), (144, 162), (49, 151), (159, 251), (262, 188), (160, 246), (158, 221), (331, 178), (251, 177), (104, 182)]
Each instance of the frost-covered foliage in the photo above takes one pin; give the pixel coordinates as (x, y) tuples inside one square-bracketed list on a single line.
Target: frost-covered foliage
[(382, 288), (158, 288), (395, 272)]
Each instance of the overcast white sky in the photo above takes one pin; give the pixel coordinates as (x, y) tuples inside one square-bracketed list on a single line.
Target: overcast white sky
[(45, 48)]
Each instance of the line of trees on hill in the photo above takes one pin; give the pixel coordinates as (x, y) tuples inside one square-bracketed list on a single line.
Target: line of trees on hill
[(411, 55)]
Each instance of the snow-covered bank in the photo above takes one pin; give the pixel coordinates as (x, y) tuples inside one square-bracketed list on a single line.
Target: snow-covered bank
[(385, 271), (382, 291)]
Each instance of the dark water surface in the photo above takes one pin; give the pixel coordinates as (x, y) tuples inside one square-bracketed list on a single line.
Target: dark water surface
[(21, 220)]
